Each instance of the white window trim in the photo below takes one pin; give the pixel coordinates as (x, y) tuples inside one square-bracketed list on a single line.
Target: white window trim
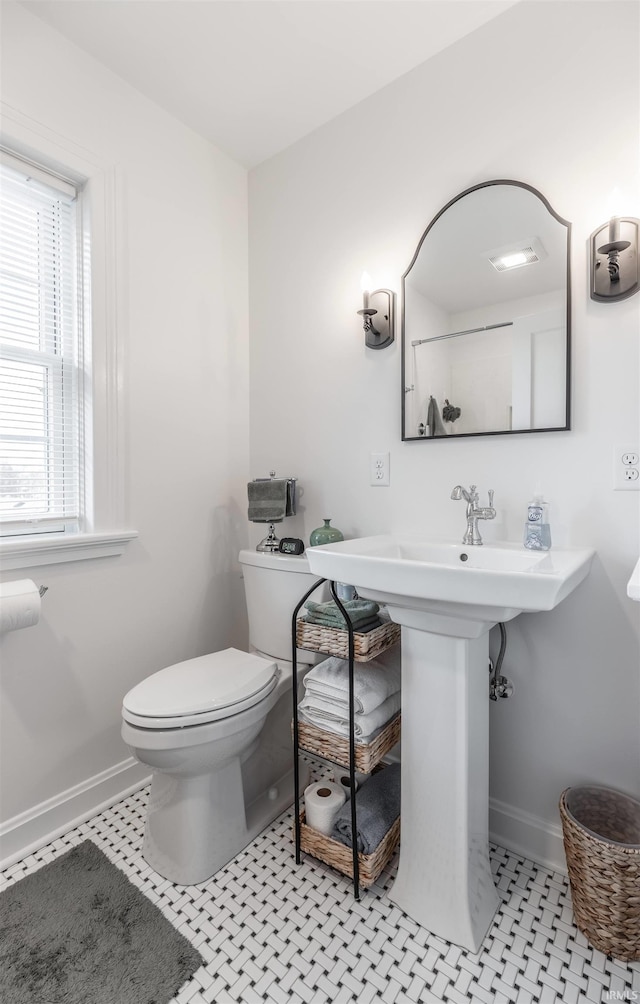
[(106, 532), (27, 552)]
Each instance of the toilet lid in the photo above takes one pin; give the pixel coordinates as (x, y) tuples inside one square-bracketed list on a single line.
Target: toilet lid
[(200, 690)]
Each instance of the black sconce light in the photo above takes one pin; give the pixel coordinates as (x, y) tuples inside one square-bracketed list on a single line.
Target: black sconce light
[(614, 259), (379, 304)]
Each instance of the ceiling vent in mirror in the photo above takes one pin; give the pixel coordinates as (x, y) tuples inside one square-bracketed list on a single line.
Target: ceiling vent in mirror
[(525, 252)]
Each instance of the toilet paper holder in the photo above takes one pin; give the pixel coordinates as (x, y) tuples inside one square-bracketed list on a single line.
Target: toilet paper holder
[(20, 601)]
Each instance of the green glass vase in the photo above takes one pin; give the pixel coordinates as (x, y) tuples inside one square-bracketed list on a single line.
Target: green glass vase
[(326, 534)]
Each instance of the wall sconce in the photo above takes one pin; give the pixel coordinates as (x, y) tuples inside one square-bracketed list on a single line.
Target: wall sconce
[(614, 259), (379, 304)]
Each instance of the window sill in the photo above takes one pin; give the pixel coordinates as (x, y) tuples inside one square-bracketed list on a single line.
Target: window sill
[(26, 552)]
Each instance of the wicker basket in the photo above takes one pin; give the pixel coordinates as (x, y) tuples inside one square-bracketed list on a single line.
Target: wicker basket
[(601, 830), (335, 641), (335, 748), (340, 857)]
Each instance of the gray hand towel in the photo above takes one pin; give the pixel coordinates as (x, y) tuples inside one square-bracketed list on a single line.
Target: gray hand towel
[(378, 807), (269, 500), (434, 422)]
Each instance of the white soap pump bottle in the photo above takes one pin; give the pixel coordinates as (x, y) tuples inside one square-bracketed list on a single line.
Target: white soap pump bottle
[(537, 529)]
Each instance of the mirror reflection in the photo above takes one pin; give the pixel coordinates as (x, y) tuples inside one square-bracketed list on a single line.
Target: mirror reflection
[(485, 327)]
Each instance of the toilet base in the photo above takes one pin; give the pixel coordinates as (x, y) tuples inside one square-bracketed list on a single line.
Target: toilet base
[(187, 839)]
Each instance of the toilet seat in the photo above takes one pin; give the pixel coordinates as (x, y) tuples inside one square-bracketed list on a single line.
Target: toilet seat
[(200, 690)]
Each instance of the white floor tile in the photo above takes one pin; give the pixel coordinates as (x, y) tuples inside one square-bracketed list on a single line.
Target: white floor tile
[(271, 931)]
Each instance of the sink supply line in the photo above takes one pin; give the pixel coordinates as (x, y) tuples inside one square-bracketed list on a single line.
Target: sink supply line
[(499, 686)]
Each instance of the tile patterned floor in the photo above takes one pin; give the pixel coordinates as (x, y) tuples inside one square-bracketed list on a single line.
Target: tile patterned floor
[(271, 931)]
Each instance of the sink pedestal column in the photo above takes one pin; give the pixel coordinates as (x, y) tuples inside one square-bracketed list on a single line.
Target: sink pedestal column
[(444, 879)]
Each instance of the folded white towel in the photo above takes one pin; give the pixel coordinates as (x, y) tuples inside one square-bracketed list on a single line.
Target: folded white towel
[(325, 715), (373, 682)]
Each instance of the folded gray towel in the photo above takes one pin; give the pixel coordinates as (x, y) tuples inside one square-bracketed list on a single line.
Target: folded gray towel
[(270, 500), (358, 611), (362, 627), (378, 807)]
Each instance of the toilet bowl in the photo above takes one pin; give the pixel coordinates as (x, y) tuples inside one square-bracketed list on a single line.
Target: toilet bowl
[(216, 732)]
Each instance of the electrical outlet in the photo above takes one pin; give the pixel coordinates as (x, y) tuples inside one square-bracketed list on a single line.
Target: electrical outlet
[(379, 470), (626, 468)]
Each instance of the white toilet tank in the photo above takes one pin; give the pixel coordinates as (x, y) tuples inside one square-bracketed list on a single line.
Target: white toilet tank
[(274, 584)]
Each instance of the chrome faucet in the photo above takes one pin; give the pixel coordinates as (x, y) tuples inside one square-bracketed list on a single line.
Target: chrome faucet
[(474, 513)]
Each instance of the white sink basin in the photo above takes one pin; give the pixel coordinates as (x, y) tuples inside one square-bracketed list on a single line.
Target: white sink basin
[(492, 582), (633, 586)]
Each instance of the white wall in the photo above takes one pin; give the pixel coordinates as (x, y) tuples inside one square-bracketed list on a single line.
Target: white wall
[(176, 592), (356, 194), (523, 99)]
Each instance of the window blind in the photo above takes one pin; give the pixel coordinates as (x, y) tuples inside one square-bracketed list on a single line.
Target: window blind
[(40, 322)]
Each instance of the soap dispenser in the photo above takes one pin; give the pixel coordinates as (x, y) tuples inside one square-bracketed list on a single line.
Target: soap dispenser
[(537, 529)]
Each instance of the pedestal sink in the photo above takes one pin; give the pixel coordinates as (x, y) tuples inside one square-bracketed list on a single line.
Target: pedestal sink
[(447, 596)]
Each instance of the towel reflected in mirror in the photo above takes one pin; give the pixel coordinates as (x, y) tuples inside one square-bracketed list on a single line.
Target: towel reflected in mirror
[(435, 426)]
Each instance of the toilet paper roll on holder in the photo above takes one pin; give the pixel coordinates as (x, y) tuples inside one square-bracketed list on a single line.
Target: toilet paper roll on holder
[(20, 601)]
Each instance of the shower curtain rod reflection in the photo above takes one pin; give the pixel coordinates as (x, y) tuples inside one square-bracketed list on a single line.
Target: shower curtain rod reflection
[(456, 334)]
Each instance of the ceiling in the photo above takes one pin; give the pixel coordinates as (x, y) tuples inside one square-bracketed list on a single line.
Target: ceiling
[(254, 76)]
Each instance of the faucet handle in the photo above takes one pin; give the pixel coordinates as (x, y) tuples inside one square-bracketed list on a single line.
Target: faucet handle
[(491, 494)]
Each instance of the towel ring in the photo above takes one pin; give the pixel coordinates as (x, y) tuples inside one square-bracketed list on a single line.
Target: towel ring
[(270, 543)]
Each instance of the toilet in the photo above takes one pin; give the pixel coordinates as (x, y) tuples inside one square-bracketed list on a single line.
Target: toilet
[(216, 732)]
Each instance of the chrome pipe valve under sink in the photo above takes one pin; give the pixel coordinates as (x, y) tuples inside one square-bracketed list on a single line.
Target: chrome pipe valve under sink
[(474, 512)]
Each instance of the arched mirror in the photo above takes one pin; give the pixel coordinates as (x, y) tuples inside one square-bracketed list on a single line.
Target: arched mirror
[(486, 311)]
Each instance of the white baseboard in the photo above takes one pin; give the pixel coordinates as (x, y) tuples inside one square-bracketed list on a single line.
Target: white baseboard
[(527, 835), (23, 834), (519, 831)]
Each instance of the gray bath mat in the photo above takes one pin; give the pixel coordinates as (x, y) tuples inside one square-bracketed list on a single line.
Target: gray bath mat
[(77, 931)]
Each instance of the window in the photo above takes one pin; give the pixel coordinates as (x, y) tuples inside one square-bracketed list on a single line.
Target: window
[(41, 310), (63, 455)]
